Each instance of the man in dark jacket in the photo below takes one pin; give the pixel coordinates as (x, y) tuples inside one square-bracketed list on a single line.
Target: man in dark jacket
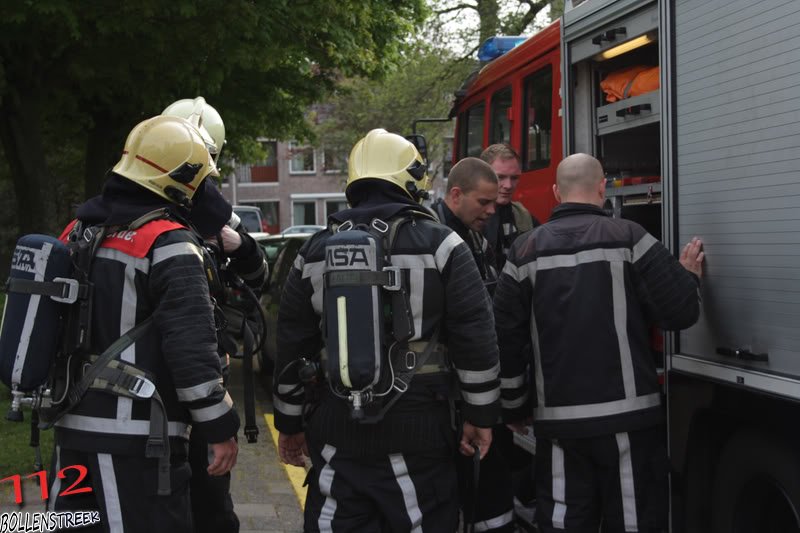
[(468, 204), (583, 290), (510, 218), (148, 273), (466, 208), (396, 473)]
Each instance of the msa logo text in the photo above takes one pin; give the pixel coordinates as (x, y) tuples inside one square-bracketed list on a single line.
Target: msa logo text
[(354, 257), (24, 259)]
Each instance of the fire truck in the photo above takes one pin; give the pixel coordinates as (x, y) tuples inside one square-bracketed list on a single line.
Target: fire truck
[(712, 150)]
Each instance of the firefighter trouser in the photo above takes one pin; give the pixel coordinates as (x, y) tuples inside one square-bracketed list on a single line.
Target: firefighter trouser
[(212, 505), (619, 480), (381, 493), (123, 490), (491, 508)]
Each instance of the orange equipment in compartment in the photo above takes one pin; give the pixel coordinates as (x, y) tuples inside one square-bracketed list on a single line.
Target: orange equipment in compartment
[(630, 81)]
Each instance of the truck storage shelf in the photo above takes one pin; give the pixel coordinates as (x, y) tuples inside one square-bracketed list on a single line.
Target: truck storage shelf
[(628, 113), (630, 190)]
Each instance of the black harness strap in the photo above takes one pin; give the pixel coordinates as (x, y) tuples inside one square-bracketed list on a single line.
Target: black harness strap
[(250, 427)]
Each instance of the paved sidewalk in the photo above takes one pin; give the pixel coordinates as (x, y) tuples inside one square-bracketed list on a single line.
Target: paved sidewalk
[(263, 497)]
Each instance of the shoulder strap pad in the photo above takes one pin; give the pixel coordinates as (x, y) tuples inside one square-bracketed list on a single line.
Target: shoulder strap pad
[(137, 242)]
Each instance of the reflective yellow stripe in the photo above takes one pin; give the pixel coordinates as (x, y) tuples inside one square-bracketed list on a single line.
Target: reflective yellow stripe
[(341, 311)]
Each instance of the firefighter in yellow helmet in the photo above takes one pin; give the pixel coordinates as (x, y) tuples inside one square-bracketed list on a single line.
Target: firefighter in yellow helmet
[(391, 158), (237, 254), (148, 273), (205, 117), (397, 303)]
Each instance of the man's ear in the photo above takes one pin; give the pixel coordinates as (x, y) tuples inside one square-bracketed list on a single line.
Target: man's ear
[(602, 190), (556, 193), (455, 194)]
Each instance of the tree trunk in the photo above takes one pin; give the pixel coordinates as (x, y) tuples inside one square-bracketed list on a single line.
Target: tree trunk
[(489, 13), (103, 150), (21, 135)]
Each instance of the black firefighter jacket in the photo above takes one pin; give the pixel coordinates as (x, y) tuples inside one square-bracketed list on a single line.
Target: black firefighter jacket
[(584, 289), (445, 290), (156, 270)]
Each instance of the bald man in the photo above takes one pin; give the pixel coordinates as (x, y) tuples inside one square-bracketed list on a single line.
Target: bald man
[(584, 290)]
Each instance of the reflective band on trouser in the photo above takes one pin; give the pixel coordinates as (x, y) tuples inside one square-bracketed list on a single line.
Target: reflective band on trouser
[(494, 523), (110, 493), (593, 410), (559, 486), (341, 317), (626, 484), (55, 489), (325, 482), (400, 470)]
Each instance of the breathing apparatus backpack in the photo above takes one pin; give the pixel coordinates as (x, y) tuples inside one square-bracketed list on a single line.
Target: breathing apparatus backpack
[(45, 353), (368, 319)]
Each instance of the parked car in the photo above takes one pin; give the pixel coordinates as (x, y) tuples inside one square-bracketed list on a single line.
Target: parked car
[(252, 218), (281, 251), (305, 228)]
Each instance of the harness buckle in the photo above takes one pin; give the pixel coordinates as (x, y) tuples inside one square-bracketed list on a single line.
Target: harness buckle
[(395, 277), (142, 388), (380, 226), (154, 447), (411, 359), (69, 292), (399, 385)]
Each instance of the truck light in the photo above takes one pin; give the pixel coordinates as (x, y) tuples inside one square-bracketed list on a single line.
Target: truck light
[(494, 47), (626, 47)]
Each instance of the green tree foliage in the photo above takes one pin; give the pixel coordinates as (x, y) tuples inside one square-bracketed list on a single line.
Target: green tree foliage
[(495, 17), (424, 81), (421, 85), (76, 76)]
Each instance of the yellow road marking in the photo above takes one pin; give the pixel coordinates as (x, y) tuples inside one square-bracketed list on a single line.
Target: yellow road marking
[(296, 474)]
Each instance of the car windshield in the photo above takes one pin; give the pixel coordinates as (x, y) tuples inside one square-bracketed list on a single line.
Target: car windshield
[(250, 220), (302, 229)]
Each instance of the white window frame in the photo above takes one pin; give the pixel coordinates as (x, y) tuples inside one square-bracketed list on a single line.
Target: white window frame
[(333, 170), (294, 145), (311, 201)]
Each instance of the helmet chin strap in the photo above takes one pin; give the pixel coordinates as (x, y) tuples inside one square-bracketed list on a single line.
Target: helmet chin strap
[(178, 196), (412, 188)]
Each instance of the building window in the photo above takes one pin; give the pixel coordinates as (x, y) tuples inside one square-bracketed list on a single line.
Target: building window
[(333, 162), (536, 138), (301, 159), (304, 213), (334, 206), (471, 134), (266, 171)]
